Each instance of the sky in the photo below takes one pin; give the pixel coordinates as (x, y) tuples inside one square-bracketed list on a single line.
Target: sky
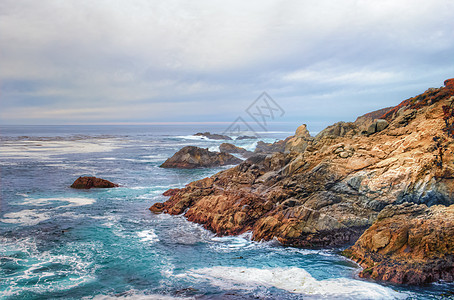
[(145, 61)]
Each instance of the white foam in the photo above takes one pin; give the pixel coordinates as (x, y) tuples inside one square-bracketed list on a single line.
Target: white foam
[(133, 295), (192, 137), (250, 146), (214, 149), (26, 217), (293, 280), (74, 201), (148, 236), (34, 267), (45, 149), (233, 243)]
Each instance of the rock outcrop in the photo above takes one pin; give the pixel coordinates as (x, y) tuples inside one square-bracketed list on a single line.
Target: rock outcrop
[(191, 157), (299, 141), (268, 148), (230, 148), (213, 136), (327, 190), (408, 244), (92, 182)]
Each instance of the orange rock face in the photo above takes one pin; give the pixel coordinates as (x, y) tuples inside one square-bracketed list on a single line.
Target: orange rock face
[(408, 244)]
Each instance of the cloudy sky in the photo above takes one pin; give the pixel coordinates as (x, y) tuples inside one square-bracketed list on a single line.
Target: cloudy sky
[(142, 61)]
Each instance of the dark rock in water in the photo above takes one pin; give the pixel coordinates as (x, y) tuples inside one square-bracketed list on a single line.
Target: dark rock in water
[(229, 148), (246, 137), (408, 244), (191, 157), (213, 136), (92, 182)]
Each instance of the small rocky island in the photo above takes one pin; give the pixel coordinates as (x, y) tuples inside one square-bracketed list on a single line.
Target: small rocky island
[(384, 183), (87, 182), (191, 157)]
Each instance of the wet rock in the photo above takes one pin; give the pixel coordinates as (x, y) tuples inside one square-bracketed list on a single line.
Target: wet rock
[(213, 136), (92, 182), (191, 157)]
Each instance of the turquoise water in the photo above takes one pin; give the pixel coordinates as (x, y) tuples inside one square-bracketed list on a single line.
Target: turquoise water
[(56, 242)]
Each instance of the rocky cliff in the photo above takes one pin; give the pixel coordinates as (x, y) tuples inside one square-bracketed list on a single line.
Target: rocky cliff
[(328, 189)]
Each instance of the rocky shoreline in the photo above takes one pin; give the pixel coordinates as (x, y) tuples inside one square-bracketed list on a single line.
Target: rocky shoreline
[(336, 188)]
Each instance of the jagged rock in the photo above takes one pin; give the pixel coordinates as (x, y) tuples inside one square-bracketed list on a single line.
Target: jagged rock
[(229, 148), (330, 195), (213, 136), (300, 141), (408, 244), (92, 182), (191, 157), (302, 132)]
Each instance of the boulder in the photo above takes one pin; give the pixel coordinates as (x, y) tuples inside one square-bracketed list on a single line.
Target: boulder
[(408, 244), (213, 136), (92, 182), (191, 157), (377, 126)]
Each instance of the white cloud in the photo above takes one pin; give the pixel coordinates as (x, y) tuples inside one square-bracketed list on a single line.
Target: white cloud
[(61, 55)]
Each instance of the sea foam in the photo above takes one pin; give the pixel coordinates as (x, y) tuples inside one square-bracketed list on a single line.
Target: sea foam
[(293, 280)]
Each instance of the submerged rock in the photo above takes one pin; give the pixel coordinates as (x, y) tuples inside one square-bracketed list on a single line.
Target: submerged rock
[(92, 182), (408, 244), (191, 157)]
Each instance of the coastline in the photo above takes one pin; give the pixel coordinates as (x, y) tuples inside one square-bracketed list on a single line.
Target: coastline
[(326, 190)]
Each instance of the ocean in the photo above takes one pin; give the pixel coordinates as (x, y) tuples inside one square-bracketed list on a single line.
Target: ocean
[(57, 242)]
